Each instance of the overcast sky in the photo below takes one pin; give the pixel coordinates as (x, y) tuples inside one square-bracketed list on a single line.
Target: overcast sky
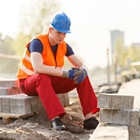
[(92, 21)]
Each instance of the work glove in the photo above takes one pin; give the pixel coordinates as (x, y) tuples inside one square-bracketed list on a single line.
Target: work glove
[(79, 75), (68, 74)]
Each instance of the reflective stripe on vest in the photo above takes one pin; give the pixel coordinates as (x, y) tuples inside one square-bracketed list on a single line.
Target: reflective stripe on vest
[(26, 68), (27, 57)]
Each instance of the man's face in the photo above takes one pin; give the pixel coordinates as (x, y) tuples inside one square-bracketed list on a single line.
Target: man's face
[(57, 36)]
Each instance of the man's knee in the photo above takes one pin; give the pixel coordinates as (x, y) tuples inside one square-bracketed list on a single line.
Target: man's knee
[(43, 77)]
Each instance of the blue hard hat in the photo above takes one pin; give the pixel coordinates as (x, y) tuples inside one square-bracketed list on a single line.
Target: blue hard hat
[(61, 22)]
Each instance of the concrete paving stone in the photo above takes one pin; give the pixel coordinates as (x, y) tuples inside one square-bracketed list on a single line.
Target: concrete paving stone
[(67, 102), (60, 95), (134, 132), (13, 90), (9, 91), (5, 100), (34, 108), (23, 109), (41, 109), (20, 101), (6, 109), (3, 90), (124, 117), (132, 88), (115, 101), (62, 100), (0, 108), (17, 95), (73, 93), (66, 95), (38, 100), (13, 109), (34, 99), (110, 132), (9, 83)]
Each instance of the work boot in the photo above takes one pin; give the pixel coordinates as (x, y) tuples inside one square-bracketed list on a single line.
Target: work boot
[(91, 123), (57, 124)]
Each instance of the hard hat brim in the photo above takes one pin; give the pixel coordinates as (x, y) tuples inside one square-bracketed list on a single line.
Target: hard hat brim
[(62, 31)]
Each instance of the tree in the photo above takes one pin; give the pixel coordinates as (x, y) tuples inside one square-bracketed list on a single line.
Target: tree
[(7, 65), (36, 16), (34, 19)]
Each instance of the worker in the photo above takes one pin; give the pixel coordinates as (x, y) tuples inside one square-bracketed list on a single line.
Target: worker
[(42, 73)]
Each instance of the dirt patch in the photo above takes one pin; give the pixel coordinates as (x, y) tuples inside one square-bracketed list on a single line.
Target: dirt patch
[(38, 127)]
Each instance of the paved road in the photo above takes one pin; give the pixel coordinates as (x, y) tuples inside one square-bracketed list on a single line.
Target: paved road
[(132, 88)]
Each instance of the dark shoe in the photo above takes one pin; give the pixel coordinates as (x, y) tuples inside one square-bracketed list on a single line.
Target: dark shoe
[(57, 124), (90, 123)]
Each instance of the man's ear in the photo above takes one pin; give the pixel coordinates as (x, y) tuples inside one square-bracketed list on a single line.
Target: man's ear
[(50, 29)]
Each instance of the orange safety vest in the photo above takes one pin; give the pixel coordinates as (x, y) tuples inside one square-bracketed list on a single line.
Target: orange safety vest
[(26, 69)]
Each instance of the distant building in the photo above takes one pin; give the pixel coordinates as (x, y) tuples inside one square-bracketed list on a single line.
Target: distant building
[(117, 38), (116, 35), (135, 44)]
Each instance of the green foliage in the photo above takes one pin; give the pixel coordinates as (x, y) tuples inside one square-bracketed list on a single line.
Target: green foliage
[(126, 55), (35, 17), (5, 45), (7, 65), (20, 42), (34, 20)]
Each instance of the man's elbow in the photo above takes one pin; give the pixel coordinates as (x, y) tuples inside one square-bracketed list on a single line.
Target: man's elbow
[(37, 69)]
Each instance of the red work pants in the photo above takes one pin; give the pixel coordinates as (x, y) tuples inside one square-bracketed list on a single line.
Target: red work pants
[(48, 86)]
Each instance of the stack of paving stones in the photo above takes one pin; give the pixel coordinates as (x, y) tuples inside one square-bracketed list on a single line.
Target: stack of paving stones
[(116, 115), (14, 101)]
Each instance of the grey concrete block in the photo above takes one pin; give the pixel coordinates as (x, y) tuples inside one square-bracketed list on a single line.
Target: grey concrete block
[(34, 99), (134, 132), (34, 108), (124, 117), (3, 90), (115, 101), (40, 107), (6, 109), (60, 96), (66, 95), (5, 100), (20, 101), (13, 109), (38, 100), (9, 83), (67, 102), (110, 132), (62, 100), (1, 109), (23, 109)]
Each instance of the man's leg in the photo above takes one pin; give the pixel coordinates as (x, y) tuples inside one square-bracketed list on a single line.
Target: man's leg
[(44, 86), (85, 91), (87, 97)]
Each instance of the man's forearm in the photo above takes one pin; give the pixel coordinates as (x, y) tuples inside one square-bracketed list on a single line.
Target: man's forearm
[(48, 70)]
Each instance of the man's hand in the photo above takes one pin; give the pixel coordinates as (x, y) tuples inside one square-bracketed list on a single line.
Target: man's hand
[(68, 74), (79, 75)]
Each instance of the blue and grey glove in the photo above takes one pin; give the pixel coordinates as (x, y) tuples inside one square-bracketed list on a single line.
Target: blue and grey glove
[(79, 75), (68, 74)]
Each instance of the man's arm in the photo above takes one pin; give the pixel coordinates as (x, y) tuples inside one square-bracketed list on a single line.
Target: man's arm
[(76, 62), (39, 67)]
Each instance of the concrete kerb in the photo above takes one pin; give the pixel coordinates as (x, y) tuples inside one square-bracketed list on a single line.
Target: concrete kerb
[(110, 132), (116, 130), (18, 102)]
